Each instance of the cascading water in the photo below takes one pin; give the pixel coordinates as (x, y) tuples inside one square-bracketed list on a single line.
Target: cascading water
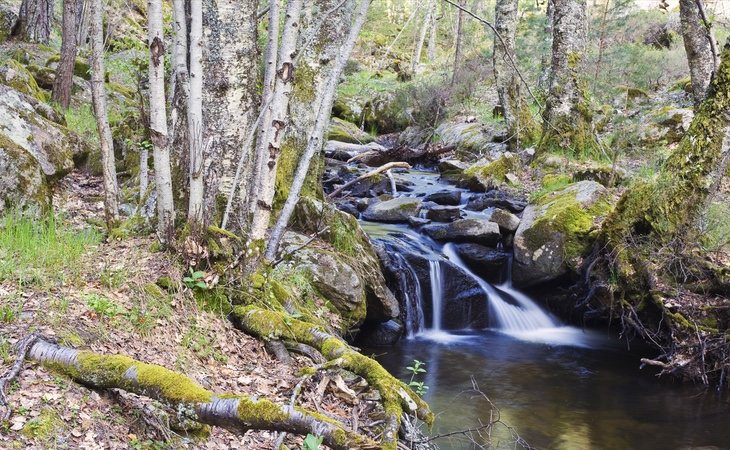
[(520, 314), (436, 294)]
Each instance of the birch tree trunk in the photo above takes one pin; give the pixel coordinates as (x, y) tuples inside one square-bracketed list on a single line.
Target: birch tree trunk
[(516, 111), (276, 119), (459, 39), (331, 30), (229, 56), (158, 123), (427, 19), (699, 44), (34, 20), (195, 115), (98, 92), (433, 33), (65, 71), (566, 114), (179, 139), (272, 50)]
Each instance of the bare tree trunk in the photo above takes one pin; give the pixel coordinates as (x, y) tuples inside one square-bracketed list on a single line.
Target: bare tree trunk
[(698, 44), (82, 21), (98, 92), (144, 177), (158, 123), (459, 39), (516, 111), (274, 131), (272, 49), (65, 71), (544, 81), (229, 54), (34, 21), (427, 19), (433, 33), (566, 117), (195, 115), (314, 144), (179, 139)]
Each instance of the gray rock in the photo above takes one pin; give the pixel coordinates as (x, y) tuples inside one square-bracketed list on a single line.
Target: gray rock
[(343, 151), (495, 198), (554, 235), (487, 262), (381, 334), (505, 219), (478, 231), (418, 221), (445, 197), (8, 18), (393, 211), (441, 213)]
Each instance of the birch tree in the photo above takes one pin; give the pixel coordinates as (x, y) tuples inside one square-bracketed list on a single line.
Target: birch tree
[(433, 34), (427, 23), (65, 71), (321, 119), (275, 130), (195, 113), (34, 20), (566, 118), (700, 46), (98, 93), (459, 40), (158, 122)]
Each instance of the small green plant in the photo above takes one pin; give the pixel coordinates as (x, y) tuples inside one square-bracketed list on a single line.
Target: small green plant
[(312, 442), (416, 369), (103, 306), (8, 313), (112, 278), (195, 280)]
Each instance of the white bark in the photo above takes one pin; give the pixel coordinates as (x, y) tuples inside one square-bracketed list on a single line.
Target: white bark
[(505, 73), (433, 34), (415, 64), (700, 45), (271, 57), (315, 139), (158, 122), (98, 92), (274, 130), (195, 115), (144, 155)]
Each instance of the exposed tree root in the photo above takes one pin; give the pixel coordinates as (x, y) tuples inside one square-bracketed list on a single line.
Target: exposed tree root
[(397, 397), (237, 413)]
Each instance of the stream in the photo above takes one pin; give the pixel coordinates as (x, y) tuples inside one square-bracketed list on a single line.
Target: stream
[(557, 386)]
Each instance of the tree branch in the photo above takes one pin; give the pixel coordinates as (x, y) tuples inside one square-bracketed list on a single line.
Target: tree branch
[(383, 168)]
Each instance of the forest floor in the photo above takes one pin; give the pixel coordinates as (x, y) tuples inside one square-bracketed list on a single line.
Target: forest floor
[(109, 302)]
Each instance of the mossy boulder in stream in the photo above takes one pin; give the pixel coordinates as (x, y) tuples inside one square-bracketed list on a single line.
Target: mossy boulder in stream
[(485, 174), (395, 210), (343, 131), (557, 231)]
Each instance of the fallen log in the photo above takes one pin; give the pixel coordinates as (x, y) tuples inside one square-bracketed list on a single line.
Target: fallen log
[(237, 413), (421, 155), (383, 168)]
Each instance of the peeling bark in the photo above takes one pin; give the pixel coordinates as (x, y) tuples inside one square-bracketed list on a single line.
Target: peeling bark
[(237, 413), (195, 116)]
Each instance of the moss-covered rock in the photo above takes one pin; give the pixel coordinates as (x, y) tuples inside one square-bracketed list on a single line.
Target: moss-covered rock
[(557, 231), (486, 174), (81, 67), (8, 18), (44, 76), (472, 139), (343, 131), (395, 210), (18, 77)]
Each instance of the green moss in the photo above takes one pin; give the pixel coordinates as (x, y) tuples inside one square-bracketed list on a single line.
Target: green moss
[(23, 81), (263, 411), (81, 67), (45, 426), (495, 172)]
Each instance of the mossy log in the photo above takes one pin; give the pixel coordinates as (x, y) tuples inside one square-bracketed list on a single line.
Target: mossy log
[(237, 413), (397, 397)]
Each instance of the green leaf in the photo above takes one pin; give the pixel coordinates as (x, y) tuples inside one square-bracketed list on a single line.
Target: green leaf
[(312, 442), (198, 274), (201, 285)]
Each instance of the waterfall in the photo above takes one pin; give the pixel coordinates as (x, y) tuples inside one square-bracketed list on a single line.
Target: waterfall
[(511, 310), (436, 293), (412, 292)]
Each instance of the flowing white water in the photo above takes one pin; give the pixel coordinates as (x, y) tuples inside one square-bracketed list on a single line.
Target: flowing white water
[(436, 294), (520, 314)]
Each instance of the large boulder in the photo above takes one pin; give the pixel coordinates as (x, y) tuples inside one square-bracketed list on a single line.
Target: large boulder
[(486, 174), (556, 232), (505, 219), (344, 131), (15, 75), (439, 213), (478, 231), (8, 19), (33, 150), (447, 197), (353, 247), (495, 199), (393, 211)]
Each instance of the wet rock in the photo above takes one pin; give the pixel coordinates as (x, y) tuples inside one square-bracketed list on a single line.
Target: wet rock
[(452, 169), (343, 151), (418, 221), (396, 210), (487, 262), (349, 208), (441, 213), (478, 231), (505, 219), (381, 334), (445, 197), (495, 198), (555, 233)]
